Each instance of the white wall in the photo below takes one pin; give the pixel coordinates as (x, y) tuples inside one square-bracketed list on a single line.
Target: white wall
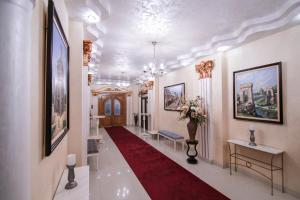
[(45, 171), (283, 46), (86, 95), (78, 84)]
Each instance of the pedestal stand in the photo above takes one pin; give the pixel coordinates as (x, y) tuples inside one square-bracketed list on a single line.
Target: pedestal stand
[(192, 144), (71, 178)]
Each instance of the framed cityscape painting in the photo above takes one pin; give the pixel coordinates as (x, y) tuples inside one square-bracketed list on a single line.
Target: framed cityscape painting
[(257, 94), (57, 82), (174, 96)]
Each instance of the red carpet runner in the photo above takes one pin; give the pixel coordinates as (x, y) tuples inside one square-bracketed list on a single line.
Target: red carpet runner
[(161, 177)]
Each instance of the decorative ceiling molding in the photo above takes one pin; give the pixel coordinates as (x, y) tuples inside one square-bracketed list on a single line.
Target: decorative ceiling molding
[(135, 19), (25, 4), (110, 89), (100, 6), (80, 10), (154, 17), (273, 21)]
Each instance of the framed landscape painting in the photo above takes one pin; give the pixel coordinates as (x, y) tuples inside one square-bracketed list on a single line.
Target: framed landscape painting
[(174, 96), (57, 82), (257, 93)]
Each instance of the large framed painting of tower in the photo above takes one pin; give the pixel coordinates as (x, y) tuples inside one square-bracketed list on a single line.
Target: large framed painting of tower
[(57, 82), (174, 95), (257, 94)]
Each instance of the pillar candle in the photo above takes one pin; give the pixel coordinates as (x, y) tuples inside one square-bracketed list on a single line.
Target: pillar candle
[(251, 128), (71, 159)]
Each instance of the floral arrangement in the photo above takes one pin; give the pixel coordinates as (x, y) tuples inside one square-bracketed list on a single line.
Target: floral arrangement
[(193, 109)]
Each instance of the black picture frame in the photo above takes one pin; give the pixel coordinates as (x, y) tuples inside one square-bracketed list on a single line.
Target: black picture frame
[(174, 108), (265, 100), (57, 95)]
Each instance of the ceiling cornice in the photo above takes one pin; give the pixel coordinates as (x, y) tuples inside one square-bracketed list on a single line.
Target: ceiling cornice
[(248, 28), (25, 4)]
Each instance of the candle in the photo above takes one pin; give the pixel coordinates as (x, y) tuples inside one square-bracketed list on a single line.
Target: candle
[(251, 128), (71, 159)]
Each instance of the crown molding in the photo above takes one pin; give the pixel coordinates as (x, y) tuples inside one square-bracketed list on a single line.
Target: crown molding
[(24, 4), (274, 21)]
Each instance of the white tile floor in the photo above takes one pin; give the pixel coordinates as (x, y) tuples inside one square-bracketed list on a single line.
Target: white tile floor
[(115, 180)]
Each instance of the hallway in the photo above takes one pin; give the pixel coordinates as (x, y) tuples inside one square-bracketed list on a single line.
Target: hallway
[(218, 78), (115, 180)]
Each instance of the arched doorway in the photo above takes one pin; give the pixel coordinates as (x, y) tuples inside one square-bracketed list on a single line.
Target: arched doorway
[(113, 107)]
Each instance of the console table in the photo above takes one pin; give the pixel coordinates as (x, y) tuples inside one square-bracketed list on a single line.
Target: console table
[(97, 118), (259, 166)]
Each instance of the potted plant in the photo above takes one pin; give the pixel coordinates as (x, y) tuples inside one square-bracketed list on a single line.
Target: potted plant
[(194, 111)]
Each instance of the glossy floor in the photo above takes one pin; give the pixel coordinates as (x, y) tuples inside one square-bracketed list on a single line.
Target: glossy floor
[(114, 179)]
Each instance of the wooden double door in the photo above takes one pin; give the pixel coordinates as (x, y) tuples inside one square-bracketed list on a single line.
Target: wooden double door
[(113, 107)]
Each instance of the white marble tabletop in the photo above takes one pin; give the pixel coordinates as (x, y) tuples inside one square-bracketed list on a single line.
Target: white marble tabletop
[(80, 192), (259, 147)]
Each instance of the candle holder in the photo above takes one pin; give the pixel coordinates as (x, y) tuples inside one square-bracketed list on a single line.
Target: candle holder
[(252, 138), (71, 178)]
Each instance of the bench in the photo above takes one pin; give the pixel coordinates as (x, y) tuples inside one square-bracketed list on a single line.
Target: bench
[(171, 136)]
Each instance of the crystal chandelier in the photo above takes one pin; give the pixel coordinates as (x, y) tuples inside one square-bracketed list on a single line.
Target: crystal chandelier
[(153, 69)]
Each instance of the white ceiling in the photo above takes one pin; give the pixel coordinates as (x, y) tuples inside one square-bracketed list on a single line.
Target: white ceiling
[(185, 30)]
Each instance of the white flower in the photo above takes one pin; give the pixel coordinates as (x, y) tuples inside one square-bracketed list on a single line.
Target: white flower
[(193, 108), (199, 111)]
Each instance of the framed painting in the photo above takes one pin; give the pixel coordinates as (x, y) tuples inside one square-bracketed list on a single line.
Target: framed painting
[(257, 94), (57, 82), (174, 95)]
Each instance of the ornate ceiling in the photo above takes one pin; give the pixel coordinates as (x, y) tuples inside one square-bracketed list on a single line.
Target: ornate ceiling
[(185, 30)]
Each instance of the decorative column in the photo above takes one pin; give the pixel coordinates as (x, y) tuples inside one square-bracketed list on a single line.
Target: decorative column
[(205, 74), (15, 135)]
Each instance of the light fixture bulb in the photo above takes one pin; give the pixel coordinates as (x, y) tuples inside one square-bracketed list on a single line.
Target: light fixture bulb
[(162, 66), (151, 78), (297, 17), (223, 48), (153, 70), (92, 18)]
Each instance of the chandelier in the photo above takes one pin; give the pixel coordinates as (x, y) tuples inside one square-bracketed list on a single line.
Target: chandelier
[(153, 68)]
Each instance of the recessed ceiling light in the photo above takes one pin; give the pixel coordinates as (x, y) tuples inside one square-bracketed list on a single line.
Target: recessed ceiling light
[(93, 18), (223, 48), (91, 64), (297, 17)]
